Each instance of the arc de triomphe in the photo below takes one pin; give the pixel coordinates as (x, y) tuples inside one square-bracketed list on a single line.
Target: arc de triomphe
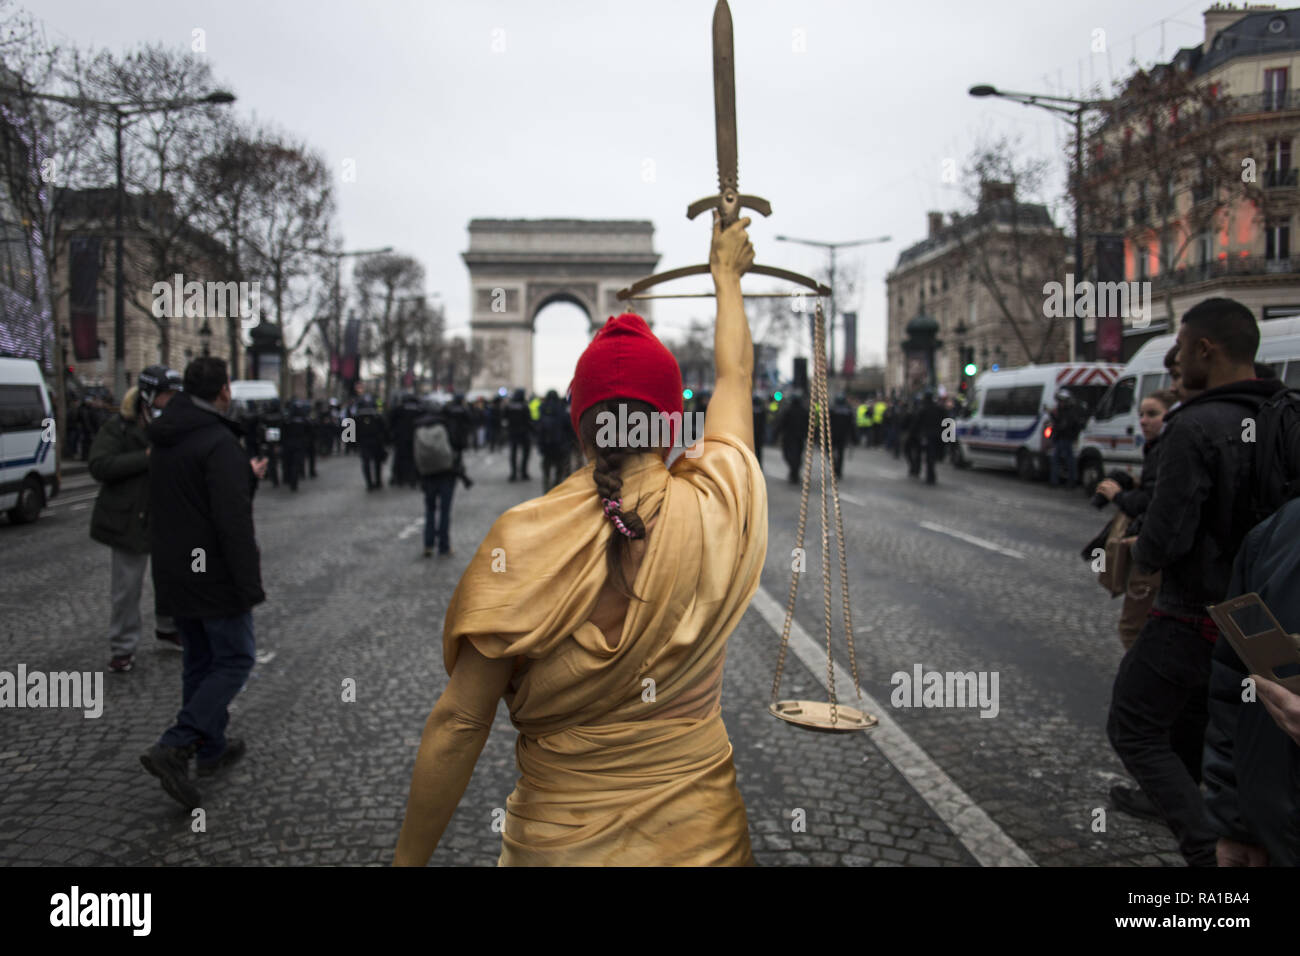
[(519, 266)]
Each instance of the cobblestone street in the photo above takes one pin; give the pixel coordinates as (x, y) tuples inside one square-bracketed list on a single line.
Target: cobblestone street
[(980, 573)]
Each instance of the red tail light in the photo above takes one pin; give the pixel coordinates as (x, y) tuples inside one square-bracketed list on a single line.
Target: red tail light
[(1047, 432)]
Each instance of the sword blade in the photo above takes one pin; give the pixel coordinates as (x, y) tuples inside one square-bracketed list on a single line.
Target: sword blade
[(724, 107)]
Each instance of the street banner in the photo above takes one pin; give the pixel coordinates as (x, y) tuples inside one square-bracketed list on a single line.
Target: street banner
[(83, 296)]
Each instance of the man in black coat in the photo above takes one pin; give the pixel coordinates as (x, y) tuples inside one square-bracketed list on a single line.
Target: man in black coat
[(1192, 530), (371, 437), (841, 415), (206, 570), (1252, 748), (519, 427)]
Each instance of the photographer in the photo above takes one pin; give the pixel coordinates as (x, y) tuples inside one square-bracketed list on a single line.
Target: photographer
[(1142, 587)]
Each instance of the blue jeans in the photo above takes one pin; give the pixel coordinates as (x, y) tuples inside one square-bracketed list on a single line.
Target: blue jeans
[(1063, 460), (217, 661), (437, 499)]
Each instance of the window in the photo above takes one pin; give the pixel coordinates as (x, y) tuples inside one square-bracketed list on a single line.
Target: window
[(996, 401), (1025, 400), (1292, 377), (1153, 382), (1277, 240), (20, 407), (1275, 88), (1117, 401)]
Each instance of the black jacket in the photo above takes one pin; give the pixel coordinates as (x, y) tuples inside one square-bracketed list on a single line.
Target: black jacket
[(1199, 512), (1250, 767), (201, 489), (119, 459), (1135, 503)]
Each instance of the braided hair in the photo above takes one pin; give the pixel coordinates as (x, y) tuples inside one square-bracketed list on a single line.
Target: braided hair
[(609, 460)]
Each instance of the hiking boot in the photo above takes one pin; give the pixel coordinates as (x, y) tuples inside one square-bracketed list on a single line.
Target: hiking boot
[(171, 766), (169, 640), (234, 750), (121, 664), (1135, 803)]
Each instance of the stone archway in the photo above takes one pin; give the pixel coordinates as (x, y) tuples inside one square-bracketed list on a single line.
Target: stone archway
[(519, 266)]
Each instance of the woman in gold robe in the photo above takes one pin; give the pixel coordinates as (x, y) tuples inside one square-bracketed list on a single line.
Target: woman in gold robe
[(600, 612)]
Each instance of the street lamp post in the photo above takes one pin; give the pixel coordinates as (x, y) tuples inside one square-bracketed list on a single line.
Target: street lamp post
[(121, 112), (336, 346), (833, 247), (1073, 108)]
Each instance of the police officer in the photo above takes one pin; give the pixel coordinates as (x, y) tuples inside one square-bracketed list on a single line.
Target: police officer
[(841, 414), (519, 426), (372, 436), (295, 441), (272, 433), (760, 427)]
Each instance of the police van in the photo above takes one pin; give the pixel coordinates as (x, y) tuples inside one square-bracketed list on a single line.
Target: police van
[(1009, 423), (1112, 439), (28, 476)]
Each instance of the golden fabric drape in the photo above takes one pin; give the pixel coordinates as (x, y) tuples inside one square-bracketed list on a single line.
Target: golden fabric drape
[(603, 779)]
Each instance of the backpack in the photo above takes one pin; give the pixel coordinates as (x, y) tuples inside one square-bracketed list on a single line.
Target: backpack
[(1275, 468), (1275, 476), (433, 454)]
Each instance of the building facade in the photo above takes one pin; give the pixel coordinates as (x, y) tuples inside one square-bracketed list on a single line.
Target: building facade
[(980, 279), (86, 287), (1202, 188)]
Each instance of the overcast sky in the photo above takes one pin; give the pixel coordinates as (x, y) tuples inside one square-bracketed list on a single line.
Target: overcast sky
[(463, 109)]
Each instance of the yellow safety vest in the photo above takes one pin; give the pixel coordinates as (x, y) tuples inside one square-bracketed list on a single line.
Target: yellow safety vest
[(880, 412), (864, 415), (535, 409)]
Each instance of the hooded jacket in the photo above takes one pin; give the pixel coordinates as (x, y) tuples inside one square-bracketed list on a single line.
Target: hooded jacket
[(1251, 767), (119, 461), (1199, 511), (201, 487)]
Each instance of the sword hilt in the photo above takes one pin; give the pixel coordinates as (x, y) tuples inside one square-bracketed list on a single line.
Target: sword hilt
[(729, 203)]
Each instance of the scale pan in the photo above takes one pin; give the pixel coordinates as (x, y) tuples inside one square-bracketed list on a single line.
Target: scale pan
[(816, 715)]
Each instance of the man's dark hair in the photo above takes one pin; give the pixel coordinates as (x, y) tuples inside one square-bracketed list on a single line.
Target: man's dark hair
[(205, 376), (1228, 324), (1171, 357)]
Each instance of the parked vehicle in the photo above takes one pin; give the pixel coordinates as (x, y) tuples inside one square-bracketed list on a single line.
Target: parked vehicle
[(28, 476), (1008, 426), (1112, 439)]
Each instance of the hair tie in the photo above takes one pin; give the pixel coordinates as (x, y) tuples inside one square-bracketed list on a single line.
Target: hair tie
[(612, 507)]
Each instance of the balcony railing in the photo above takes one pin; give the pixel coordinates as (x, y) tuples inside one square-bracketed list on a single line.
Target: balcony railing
[(1220, 268), (1279, 178)]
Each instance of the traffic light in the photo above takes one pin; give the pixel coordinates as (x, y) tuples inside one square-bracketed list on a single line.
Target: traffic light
[(687, 394), (777, 396), (969, 367)]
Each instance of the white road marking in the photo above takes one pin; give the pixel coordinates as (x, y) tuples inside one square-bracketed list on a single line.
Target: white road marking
[(851, 500), (971, 539), (978, 833), (71, 501), (81, 507), (412, 528), (264, 657)]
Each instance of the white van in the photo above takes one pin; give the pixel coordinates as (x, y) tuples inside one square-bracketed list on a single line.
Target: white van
[(1113, 440), (28, 477), (253, 390), (1009, 413)]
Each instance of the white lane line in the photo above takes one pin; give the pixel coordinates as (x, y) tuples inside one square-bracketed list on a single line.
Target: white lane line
[(412, 528), (72, 501), (978, 833), (851, 500), (971, 539), (81, 507)]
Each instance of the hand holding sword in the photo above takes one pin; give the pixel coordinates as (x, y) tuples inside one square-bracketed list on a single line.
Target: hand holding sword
[(730, 253)]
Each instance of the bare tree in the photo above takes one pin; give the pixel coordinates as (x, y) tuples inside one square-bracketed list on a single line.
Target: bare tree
[(1165, 168), (1007, 244), (158, 148), (380, 281)]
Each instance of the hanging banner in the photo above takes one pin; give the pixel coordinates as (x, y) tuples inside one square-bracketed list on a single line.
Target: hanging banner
[(83, 296), (850, 343)]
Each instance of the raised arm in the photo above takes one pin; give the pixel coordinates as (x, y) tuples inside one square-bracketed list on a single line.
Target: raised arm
[(453, 738), (731, 408)]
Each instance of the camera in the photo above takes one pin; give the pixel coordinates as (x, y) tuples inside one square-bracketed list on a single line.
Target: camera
[(1121, 478)]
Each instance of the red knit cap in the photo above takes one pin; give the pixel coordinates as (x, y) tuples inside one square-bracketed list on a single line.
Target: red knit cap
[(626, 360)]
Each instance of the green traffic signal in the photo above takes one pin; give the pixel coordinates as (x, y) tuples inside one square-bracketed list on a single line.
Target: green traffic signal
[(776, 396), (971, 369), (687, 394)]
